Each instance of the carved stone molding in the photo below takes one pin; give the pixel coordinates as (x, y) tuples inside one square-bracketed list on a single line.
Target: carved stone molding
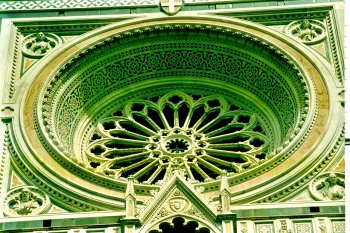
[(26, 200)]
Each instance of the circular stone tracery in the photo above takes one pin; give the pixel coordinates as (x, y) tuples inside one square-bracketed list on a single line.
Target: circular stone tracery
[(177, 144), (224, 57), (202, 135)]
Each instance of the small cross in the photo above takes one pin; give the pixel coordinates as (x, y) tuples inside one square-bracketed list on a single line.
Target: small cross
[(172, 4)]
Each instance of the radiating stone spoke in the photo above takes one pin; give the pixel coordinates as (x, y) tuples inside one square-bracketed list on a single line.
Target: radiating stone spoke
[(209, 166), (154, 174), (145, 169), (132, 157)]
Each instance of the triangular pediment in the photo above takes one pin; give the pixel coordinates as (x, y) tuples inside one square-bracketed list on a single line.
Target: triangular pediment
[(177, 197)]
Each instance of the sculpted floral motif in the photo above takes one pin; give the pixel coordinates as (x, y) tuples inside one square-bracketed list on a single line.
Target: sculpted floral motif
[(25, 201), (162, 213), (201, 135), (38, 45), (328, 186), (307, 31)]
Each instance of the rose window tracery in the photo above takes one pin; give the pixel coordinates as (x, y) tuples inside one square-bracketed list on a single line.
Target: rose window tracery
[(203, 135)]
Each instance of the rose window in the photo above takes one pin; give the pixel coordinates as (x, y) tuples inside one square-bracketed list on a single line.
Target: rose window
[(201, 135)]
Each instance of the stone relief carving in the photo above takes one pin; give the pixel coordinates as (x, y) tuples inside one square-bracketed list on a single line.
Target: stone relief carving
[(307, 31), (178, 204), (328, 186), (26, 200), (284, 227), (39, 44)]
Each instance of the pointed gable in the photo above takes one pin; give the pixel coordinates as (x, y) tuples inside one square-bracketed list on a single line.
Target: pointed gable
[(177, 196)]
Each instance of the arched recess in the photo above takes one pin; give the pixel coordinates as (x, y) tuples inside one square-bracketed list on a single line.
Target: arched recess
[(296, 119)]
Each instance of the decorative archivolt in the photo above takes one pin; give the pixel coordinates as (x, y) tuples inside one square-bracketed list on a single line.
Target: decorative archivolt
[(235, 73)]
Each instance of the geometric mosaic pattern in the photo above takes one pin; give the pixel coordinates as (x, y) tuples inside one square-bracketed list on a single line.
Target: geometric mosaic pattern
[(305, 227), (77, 4), (264, 228), (58, 4)]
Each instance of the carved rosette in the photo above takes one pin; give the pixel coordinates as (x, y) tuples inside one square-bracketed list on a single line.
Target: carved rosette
[(39, 44), (328, 186), (26, 200), (307, 31)]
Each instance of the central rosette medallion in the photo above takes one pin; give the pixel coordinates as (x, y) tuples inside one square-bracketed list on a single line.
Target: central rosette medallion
[(176, 144)]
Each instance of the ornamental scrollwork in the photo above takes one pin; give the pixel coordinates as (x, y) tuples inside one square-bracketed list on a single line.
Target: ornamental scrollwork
[(39, 44), (328, 186), (26, 200), (307, 31)]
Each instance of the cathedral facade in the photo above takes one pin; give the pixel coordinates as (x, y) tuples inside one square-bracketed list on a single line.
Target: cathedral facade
[(147, 116)]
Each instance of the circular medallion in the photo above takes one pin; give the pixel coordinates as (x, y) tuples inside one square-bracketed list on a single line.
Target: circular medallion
[(307, 31), (26, 200), (329, 186), (39, 44)]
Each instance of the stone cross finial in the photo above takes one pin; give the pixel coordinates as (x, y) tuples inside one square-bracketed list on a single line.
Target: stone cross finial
[(225, 196)]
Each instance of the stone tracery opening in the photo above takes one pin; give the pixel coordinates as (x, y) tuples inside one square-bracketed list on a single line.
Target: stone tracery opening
[(179, 226), (146, 137)]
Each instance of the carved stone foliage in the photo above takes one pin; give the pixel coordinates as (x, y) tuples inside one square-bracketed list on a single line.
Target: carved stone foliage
[(307, 31), (178, 225), (328, 186), (150, 137), (39, 44), (26, 200)]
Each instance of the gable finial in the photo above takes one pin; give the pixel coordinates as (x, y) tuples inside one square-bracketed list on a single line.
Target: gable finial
[(130, 198), (225, 195)]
